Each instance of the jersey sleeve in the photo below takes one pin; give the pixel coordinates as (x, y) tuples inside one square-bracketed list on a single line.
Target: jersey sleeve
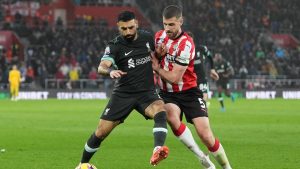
[(110, 54), (159, 38), (152, 43), (208, 55), (185, 53), (228, 66)]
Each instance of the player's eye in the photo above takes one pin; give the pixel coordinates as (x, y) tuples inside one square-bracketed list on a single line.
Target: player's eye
[(169, 24), (130, 27), (125, 28)]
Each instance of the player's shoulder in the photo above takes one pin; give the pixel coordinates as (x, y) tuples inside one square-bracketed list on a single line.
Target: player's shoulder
[(228, 63), (115, 40), (187, 36), (159, 33), (186, 40), (203, 48), (145, 34)]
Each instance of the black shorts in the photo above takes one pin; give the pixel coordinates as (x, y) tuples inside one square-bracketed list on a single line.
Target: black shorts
[(224, 83), (190, 103), (121, 105)]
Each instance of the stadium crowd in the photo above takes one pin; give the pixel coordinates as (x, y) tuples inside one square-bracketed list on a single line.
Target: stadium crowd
[(58, 52), (238, 29)]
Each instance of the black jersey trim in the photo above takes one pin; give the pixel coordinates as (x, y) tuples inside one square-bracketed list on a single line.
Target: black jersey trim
[(179, 35), (182, 64)]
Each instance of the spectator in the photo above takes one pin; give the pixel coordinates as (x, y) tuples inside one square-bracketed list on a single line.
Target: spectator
[(74, 77), (243, 72), (29, 74), (93, 76)]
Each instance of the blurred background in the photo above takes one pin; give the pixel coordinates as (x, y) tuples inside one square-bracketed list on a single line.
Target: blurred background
[(57, 44)]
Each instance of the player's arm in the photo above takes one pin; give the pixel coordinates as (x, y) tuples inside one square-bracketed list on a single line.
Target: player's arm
[(213, 74), (160, 50), (208, 55), (160, 46), (107, 64), (105, 68), (229, 70), (173, 76), (179, 68)]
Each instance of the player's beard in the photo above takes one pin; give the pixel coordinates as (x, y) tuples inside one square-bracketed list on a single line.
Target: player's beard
[(129, 38), (172, 35)]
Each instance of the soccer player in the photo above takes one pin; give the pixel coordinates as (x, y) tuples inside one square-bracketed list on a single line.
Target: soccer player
[(127, 59), (201, 57), (14, 82), (178, 83), (199, 65), (225, 71)]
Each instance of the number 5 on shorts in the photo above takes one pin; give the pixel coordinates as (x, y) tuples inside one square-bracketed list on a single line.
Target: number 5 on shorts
[(202, 104)]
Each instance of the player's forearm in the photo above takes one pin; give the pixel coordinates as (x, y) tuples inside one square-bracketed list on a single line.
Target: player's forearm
[(169, 76), (104, 70), (211, 61)]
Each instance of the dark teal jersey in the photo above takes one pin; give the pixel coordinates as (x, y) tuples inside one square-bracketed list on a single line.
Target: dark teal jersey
[(223, 67), (133, 58), (202, 55)]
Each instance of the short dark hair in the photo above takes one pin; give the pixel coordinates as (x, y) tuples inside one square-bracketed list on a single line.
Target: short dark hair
[(171, 11), (126, 16)]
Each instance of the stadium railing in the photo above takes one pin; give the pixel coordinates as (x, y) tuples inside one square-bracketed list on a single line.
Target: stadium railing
[(78, 84), (260, 83), (236, 84)]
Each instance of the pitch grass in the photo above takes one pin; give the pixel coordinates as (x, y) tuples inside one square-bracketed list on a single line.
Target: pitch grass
[(50, 134)]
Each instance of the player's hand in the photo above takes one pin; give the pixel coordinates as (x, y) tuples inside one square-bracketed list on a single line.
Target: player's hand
[(114, 74), (155, 62), (214, 75), (160, 50)]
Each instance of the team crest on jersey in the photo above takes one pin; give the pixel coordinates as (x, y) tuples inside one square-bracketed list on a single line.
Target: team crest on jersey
[(175, 47), (131, 63), (148, 46), (107, 51)]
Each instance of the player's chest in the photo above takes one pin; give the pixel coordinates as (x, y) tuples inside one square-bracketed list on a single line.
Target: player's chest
[(135, 50), (133, 57), (221, 68)]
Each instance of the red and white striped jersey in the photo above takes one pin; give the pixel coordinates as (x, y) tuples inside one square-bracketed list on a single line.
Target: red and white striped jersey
[(179, 51)]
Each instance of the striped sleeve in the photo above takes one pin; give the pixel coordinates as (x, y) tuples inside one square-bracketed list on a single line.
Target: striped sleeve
[(184, 53)]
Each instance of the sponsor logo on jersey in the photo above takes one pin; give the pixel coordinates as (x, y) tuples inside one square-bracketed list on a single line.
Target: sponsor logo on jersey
[(133, 63), (126, 54), (107, 51), (170, 58), (148, 46), (142, 61)]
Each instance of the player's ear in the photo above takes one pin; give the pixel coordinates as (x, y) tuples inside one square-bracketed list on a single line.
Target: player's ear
[(136, 23), (118, 24), (181, 21)]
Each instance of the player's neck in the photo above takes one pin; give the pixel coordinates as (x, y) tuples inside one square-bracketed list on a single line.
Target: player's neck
[(136, 36), (180, 32)]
